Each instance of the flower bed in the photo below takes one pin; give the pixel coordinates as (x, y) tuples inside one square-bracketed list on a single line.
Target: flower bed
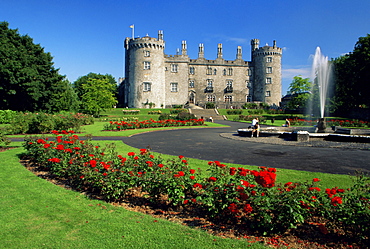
[(331, 122), (125, 125), (130, 112), (246, 198)]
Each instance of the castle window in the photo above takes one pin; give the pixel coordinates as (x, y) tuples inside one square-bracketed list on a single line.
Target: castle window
[(225, 72), (191, 83), (209, 83), (269, 70), (174, 68), (249, 98), (211, 98), (174, 87), (230, 71), (268, 81), (268, 59), (147, 86), (146, 65), (191, 70), (229, 83), (268, 94), (214, 71), (228, 98), (248, 84), (249, 72), (146, 53), (209, 70)]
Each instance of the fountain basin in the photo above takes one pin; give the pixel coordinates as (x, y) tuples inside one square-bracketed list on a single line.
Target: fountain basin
[(303, 134)]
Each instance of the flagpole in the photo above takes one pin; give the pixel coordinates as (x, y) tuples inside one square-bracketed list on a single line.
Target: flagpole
[(133, 30)]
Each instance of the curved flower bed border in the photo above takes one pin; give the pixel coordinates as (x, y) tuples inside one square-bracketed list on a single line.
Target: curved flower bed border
[(151, 123), (239, 196)]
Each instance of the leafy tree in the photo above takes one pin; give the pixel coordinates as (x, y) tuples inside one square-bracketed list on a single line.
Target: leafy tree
[(28, 79), (97, 96), (352, 73), (300, 89), (83, 79)]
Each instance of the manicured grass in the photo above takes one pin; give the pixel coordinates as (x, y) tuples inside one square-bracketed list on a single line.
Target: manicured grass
[(38, 214), (97, 129)]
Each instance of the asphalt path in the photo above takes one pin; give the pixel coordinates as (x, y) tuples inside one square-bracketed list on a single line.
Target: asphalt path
[(207, 144)]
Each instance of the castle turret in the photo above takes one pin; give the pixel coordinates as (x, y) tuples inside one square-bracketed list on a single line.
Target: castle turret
[(267, 73), (219, 51), (239, 53), (144, 72), (201, 51)]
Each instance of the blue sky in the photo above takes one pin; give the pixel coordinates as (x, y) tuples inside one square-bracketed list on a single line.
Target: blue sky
[(87, 35)]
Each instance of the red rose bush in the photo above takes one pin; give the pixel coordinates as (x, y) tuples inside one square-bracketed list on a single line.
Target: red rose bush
[(250, 198)]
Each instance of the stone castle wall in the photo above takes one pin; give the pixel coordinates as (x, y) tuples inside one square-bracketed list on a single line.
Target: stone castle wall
[(176, 79)]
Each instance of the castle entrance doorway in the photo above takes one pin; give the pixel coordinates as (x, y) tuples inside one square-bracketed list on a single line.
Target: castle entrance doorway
[(191, 98)]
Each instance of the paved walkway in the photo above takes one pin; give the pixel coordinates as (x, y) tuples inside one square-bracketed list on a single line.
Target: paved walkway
[(222, 144), (208, 144)]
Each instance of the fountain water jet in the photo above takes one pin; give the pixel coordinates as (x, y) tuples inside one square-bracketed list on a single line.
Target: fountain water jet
[(322, 72)]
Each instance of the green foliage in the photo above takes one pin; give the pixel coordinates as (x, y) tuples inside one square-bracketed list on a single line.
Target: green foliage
[(183, 116), (165, 116), (78, 84), (178, 110), (130, 112), (300, 90), (29, 81), (210, 105), (97, 96), (3, 138), (135, 124), (234, 112), (235, 195), (6, 116), (250, 106), (261, 119), (351, 77), (35, 123)]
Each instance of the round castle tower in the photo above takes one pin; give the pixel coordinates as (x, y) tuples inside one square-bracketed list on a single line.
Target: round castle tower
[(144, 70), (267, 73)]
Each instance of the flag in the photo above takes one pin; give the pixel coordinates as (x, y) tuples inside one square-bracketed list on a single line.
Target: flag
[(132, 26)]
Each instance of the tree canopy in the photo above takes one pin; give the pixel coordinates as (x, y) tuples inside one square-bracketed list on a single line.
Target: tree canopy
[(352, 73), (97, 95), (300, 90), (28, 79)]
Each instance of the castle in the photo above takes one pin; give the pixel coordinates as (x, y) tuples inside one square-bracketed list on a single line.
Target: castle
[(160, 80)]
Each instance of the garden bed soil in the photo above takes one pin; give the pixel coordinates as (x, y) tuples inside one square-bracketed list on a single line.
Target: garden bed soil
[(313, 234)]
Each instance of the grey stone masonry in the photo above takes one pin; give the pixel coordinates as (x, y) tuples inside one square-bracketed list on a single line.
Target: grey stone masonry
[(163, 80)]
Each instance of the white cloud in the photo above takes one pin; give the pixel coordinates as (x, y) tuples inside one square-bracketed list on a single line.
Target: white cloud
[(289, 73)]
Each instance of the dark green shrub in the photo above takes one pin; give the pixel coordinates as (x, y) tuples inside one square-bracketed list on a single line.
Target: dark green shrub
[(210, 105), (234, 112), (165, 116), (3, 139), (6, 116), (176, 111), (185, 116), (41, 123)]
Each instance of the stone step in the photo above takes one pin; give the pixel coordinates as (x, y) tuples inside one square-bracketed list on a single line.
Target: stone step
[(206, 114)]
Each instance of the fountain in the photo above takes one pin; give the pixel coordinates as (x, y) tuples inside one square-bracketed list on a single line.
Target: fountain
[(322, 76), (322, 72)]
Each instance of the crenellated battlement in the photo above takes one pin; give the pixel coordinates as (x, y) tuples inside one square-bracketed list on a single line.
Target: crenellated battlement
[(166, 80)]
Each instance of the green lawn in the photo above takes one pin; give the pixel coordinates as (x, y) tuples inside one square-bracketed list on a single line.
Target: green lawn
[(38, 214)]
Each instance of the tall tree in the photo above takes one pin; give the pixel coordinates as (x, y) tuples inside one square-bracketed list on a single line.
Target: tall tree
[(84, 79), (97, 96), (300, 89), (28, 79), (352, 74)]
